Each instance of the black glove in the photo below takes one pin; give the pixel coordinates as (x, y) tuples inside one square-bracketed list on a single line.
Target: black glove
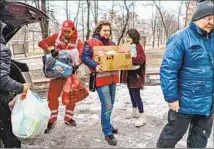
[(54, 53), (75, 69)]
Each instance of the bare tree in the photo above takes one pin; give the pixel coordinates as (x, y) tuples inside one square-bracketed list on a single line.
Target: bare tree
[(154, 24), (67, 10), (179, 13), (83, 23), (187, 4), (126, 22), (77, 14), (88, 20), (44, 23), (162, 18), (96, 11), (25, 37), (112, 12), (133, 12)]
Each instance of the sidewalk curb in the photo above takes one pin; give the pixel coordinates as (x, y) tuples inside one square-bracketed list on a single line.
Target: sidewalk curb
[(30, 57)]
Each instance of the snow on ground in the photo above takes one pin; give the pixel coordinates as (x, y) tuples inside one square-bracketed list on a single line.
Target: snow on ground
[(88, 133)]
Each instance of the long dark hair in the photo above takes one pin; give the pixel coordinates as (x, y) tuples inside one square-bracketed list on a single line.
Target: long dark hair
[(134, 34)]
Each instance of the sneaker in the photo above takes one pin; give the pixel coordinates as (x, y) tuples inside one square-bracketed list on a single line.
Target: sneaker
[(50, 127), (141, 120), (71, 122), (133, 114), (111, 140), (114, 130)]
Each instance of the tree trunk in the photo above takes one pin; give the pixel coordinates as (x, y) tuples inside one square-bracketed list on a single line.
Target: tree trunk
[(162, 19), (187, 7), (179, 14), (88, 19), (158, 41), (95, 11), (126, 22), (25, 38), (67, 10), (112, 11), (83, 25), (154, 27), (44, 23), (77, 14), (133, 15)]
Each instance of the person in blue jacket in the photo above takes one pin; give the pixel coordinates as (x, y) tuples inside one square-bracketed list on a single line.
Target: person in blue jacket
[(187, 81)]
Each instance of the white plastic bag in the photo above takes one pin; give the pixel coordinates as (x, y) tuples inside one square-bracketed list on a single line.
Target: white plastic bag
[(30, 116)]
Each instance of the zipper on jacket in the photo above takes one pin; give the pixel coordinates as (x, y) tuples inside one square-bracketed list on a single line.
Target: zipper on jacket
[(207, 36)]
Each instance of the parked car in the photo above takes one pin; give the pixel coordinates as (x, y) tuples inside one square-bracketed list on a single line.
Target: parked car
[(22, 14), (16, 15)]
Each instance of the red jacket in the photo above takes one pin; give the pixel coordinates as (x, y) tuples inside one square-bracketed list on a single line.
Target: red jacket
[(57, 40), (135, 78), (104, 78)]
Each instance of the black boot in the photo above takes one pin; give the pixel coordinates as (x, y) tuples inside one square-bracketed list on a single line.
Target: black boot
[(111, 140), (50, 127), (114, 130)]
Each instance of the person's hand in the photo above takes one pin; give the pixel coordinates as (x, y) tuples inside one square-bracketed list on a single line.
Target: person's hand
[(49, 49), (174, 106), (99, 68), (54, 52), (26, 87), (11, 104), (75, 69)]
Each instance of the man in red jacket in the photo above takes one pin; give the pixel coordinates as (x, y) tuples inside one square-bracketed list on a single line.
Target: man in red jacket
[(64, 40)]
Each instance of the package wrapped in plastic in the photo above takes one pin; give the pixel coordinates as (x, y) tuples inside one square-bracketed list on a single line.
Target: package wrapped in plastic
[(59, 67), (30, 115)]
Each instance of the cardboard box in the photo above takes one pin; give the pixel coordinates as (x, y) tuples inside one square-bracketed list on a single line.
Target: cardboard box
[(120, 60)]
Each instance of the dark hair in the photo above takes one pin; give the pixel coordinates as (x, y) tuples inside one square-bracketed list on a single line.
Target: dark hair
[(134, 34), (99, 26)]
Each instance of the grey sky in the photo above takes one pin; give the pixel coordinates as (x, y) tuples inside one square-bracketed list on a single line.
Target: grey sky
[(140, 9)]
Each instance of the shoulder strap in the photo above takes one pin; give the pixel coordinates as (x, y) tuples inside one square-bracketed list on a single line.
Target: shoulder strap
[(57, 39)]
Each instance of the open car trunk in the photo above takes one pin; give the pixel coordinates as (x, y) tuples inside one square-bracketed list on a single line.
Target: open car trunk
[(15, 15)]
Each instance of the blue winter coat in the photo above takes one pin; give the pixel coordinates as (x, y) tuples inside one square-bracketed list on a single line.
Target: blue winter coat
[(187, 70)]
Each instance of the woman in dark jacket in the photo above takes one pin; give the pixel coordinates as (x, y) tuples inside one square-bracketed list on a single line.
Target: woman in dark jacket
[(135, 78)]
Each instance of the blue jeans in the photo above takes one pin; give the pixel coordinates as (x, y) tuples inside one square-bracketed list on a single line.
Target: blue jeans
[(107, 98)]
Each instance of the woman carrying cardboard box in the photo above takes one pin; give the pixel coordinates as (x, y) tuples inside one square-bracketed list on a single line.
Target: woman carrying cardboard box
[(135, 78), (104, 82)]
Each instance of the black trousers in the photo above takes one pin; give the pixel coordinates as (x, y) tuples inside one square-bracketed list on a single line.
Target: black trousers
[(6, 135), (199, 130)]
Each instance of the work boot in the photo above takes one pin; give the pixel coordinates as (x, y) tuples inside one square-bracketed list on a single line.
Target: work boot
[(50, 127), (71, 122), (134, 114), (141, 120), (114, 130), (111, 140)]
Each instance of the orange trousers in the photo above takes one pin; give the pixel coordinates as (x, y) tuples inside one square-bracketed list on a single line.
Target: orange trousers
[(55, 90)]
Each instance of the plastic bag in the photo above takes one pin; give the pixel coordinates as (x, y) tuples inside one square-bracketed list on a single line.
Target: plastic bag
[(30, 116), (52, 63), (74, 90)]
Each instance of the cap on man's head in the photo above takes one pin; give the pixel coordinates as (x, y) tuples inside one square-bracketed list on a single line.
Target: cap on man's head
[(204, 8), (68, 25)]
